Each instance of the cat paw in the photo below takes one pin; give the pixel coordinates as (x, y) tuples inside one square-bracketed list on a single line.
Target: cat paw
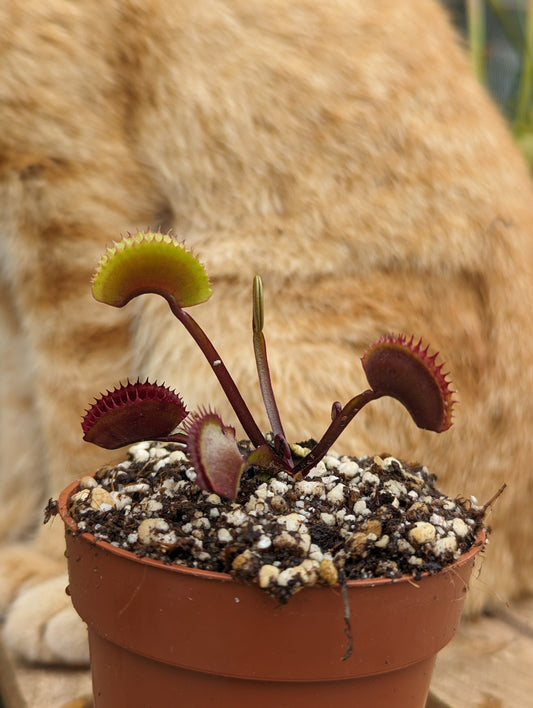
[(42, 626)]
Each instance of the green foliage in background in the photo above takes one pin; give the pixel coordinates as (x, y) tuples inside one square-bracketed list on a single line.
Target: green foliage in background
[(500, 36)]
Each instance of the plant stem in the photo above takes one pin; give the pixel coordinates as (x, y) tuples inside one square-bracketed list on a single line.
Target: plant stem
[(226, 381), (477, 36), (336, 427), (178, 437), (526, 78)]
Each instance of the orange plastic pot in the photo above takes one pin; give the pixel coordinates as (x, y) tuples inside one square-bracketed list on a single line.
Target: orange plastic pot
[(163, 635)]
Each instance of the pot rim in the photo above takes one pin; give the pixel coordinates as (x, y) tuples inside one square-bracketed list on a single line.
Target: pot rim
[(113, 590), (477, 547)]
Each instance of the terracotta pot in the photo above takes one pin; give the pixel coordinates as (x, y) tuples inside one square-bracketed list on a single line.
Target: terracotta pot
[(170, 636)]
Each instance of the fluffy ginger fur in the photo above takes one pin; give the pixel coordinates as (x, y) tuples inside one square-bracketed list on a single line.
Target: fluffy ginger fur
[(342, 150)]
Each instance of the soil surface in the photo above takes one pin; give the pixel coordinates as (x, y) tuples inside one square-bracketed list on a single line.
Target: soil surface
[(347, 519)]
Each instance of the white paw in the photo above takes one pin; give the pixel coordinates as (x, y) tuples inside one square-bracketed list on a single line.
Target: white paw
[(42, 626)]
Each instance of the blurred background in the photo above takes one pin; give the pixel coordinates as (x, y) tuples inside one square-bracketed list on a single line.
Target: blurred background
[(499, 36)]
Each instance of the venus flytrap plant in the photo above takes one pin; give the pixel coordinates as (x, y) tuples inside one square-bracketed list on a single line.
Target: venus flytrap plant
[(158, 263)]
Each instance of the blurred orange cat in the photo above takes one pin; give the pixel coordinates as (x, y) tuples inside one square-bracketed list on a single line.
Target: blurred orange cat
[(340, 149)]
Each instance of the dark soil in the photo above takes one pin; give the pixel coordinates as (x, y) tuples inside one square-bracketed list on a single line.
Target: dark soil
[(348, 519)]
